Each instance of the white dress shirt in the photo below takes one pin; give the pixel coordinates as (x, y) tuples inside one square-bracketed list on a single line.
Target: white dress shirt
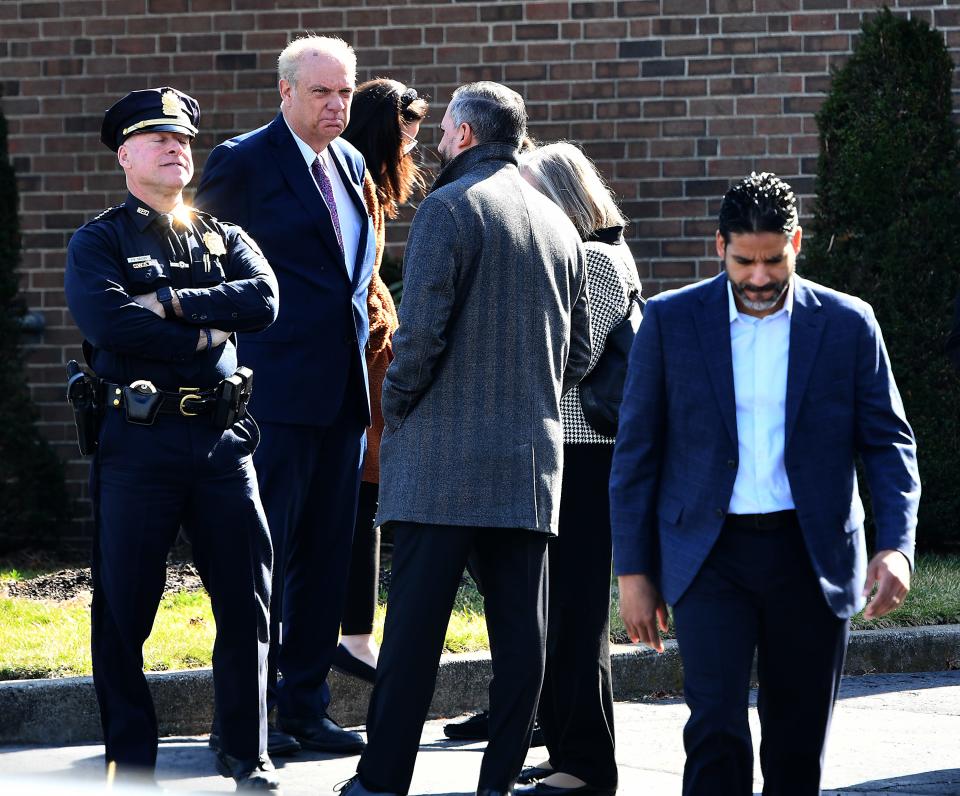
[(761, 350), (350, 218)]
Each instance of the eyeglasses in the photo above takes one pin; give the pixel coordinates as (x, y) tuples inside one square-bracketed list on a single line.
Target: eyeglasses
[(408, 147)]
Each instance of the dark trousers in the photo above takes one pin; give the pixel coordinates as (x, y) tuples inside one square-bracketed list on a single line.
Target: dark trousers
[(758, 591), (309, 478), (146, 482), (363, 578), (576, 705), (428, 562)]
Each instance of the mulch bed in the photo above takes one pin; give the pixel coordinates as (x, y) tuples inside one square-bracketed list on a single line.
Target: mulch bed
[(67, 584)]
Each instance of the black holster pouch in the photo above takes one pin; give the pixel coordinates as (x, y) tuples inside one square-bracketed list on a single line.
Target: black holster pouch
[(141, 402), (233, 394), (83, 389)]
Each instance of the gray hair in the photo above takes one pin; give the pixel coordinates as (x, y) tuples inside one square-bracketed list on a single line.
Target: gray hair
[(494, 112), (288, 64), (564, 174)]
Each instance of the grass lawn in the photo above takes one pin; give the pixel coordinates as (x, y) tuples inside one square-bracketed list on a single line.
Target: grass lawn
[(46, 639)]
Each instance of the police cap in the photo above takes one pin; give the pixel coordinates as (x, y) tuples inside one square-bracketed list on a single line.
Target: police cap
[(163, 108)]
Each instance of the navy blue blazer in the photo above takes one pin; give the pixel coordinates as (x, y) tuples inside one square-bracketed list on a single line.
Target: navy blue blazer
[(676, 452), (310, 362)]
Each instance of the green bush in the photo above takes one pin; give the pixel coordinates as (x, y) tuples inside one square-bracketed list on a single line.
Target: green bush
[(33, 497), (886, 227)]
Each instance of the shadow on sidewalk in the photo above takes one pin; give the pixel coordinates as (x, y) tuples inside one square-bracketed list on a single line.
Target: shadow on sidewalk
[(944, 781)]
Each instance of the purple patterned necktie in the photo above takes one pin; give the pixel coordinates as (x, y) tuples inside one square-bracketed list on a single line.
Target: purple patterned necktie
[(326, 191)]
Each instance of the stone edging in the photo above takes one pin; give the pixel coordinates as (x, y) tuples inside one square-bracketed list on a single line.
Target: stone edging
[(64, 711)]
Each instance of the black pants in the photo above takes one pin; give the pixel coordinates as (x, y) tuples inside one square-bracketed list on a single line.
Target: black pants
[(362, 581), (757, 591), (428, 562), (576, 705), (147, 481), (309, 477)]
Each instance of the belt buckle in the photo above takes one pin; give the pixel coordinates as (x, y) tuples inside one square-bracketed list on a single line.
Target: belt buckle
[(187, 395)]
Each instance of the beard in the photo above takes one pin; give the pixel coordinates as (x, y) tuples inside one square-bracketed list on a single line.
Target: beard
[(444, 158), (748, 294)]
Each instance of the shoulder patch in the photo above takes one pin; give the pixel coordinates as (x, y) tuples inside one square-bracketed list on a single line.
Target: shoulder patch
[(108, 213)]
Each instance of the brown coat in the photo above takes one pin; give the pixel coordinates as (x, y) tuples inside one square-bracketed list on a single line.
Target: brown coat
[(383, 323)]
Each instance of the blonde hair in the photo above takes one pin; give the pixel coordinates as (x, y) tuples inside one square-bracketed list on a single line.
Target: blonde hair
[(288, 64), (563, 173)]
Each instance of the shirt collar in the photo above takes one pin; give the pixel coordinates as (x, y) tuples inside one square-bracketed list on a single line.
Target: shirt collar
[(305, 149), (143, 215), (787, 302)]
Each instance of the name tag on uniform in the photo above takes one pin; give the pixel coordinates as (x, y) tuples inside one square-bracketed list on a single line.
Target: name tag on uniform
[(143, 261)]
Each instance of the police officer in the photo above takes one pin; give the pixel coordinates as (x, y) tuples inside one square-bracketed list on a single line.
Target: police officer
[(158, 290)]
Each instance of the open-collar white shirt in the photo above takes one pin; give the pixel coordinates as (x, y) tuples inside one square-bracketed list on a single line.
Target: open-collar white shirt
[(761, 351)]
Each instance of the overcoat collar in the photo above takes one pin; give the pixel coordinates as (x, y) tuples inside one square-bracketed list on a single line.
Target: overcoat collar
[(298, 177), (466, 161)]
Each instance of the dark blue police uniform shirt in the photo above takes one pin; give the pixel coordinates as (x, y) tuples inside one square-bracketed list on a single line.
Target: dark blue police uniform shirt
[(228, 284)]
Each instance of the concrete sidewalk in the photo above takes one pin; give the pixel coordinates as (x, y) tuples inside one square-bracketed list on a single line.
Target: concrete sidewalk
[(892, 733)]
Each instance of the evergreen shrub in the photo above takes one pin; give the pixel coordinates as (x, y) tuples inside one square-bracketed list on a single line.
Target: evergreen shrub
[(33, 496), (886, 227)]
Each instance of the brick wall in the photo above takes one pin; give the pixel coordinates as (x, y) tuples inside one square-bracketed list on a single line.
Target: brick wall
[(672, 98)]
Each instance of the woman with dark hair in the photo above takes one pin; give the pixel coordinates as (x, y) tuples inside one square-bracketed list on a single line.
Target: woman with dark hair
[(576, 703), (384, 122)]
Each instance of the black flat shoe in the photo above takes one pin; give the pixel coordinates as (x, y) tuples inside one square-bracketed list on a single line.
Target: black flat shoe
[(345, 663), (532, 774), (540, 789)]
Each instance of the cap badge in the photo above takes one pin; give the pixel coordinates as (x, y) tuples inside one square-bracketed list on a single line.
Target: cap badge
[(214, 244), (171, 104)]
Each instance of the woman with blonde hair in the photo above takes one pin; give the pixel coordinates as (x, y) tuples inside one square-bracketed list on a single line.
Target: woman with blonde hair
[(385, 119), (576, 704)]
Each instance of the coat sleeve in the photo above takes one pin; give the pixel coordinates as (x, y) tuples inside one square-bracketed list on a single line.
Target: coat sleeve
[(429, 276), (637, 456), (578, 360), (885, 443), (106, 313), (247, 301)]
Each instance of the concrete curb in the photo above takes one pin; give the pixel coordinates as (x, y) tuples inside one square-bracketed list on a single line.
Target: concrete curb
[(64, 711)]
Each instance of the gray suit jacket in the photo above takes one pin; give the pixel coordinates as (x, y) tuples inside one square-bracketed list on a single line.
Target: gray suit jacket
[(494, 326)]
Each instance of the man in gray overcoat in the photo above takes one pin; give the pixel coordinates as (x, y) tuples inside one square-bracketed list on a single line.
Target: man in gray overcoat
[(494, 327)]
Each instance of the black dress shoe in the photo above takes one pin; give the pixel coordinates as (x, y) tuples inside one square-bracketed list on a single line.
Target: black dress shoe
[(279, 744), (323, 735), (252, 774), (354, 787), (346, 663), (532, 774), (477, 728), (541, 789)]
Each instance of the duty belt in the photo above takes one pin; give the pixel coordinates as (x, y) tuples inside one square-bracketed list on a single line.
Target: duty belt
[(185, 401)]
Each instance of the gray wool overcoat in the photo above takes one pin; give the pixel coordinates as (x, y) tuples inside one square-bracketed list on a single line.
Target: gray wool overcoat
[(494, 326)]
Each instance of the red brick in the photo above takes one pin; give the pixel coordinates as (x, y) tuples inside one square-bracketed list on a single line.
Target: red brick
[(543, 11)]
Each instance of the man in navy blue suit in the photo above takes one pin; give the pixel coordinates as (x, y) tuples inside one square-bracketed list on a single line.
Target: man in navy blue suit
[(296, 187), (734, 494)]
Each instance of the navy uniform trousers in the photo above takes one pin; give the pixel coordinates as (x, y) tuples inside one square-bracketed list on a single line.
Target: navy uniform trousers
[(757, 590), (146, 482)]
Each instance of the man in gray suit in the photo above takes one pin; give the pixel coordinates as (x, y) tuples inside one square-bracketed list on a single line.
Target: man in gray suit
[(494, 327)]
